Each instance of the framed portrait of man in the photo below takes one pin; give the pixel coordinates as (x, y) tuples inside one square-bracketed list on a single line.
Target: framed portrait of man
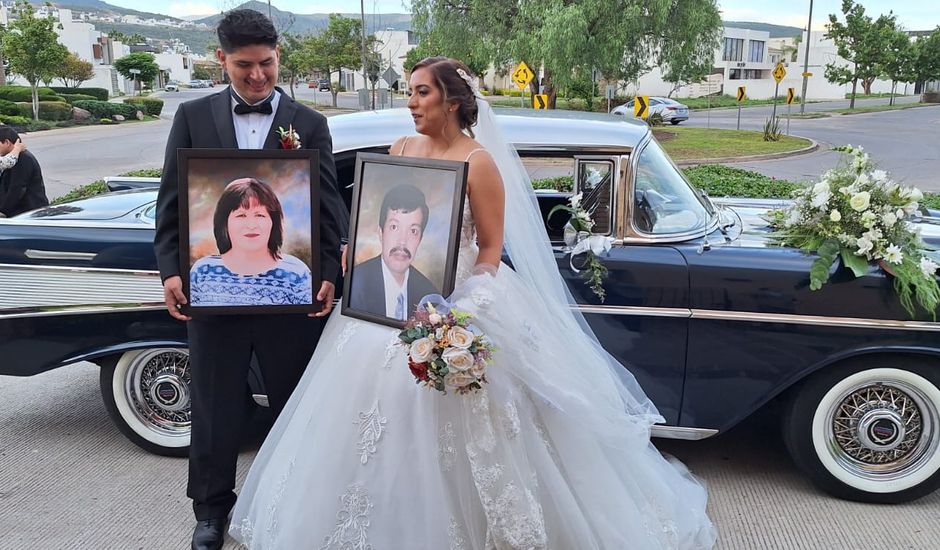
[(404, 235), (248, 230)]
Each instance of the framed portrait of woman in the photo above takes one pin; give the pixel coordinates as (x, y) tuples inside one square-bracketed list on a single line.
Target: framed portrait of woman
[(404, 235), (248, 230)]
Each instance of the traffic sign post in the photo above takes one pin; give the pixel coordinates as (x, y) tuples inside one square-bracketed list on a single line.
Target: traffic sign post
[(609, 94), (790, 93), (540, 101), (779, 72), (641, 104), (521, 76), (742, 95)]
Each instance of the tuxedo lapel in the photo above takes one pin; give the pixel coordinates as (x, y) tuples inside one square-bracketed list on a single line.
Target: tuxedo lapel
[(221, 106), (283, 118)]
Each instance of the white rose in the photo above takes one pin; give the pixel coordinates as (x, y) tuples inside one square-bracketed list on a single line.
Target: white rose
[(821, 194), (916, 194), (890, 219), (860, 201), (478, 369), (435, 318), (460, 337), (928, 267), (457, 359), (893, 254), (835, 216), (900, 213), (868, 219), (421, 350), (864, 247), (458, 379)]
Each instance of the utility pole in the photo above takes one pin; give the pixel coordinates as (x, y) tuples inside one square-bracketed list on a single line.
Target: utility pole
[(362, 16), (809, 30), (269, 11)]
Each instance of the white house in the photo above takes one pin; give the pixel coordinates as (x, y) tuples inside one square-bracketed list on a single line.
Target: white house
[(393, 46)]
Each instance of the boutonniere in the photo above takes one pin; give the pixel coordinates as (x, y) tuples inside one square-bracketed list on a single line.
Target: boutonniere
[(289, 138)]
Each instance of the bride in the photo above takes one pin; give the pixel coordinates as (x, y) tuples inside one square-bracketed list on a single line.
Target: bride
[(553, 453)]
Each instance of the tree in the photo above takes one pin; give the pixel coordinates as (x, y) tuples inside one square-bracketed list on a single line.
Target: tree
[(127, 39), (144, 62), (31, 45), (862, 42), (336, 47), (926, 65), (202, 73), (898, 62), (569, 39), (295, 58), (74, 71)]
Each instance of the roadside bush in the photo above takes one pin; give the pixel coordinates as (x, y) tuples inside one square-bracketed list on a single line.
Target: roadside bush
[(100, 94), (9, 108), (655, 119), (772, 131), (48, 110), (149, 105), (15, 120), (559, 183), (724, 181), (72, 98), (145, 173), (105, 109), (24, 93), (107, 121), (82, 192)]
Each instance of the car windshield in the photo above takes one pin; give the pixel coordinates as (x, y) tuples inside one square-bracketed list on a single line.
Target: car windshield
[(664, 202)]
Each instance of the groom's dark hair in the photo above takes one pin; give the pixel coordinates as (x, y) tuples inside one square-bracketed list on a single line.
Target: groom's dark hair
[(240, 28)]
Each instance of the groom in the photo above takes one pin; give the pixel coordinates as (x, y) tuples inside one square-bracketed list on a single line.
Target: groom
[(244, 116)]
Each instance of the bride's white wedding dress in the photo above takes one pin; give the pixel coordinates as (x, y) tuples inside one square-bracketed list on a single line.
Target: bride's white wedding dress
[(364, 459)]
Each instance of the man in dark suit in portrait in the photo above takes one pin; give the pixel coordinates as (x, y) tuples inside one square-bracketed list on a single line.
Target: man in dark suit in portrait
[(388, 284), (244, 116), (21, 187)]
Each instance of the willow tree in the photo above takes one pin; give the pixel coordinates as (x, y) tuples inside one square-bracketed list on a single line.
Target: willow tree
[(569, 39)]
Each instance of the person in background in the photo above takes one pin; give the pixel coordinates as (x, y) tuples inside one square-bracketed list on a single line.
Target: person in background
[(21, 185)]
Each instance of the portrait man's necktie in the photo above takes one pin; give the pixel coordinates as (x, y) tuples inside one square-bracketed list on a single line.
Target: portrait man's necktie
[(400, 307)]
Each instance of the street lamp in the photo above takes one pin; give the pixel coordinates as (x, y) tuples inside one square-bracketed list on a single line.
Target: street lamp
[(809, 29)]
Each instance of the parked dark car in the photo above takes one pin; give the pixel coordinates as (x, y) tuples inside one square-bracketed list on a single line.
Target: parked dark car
[(714, 322), (323, 85)]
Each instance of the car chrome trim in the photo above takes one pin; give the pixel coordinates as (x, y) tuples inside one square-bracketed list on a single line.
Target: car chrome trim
[(747, 316), (144, 223), (678, 432), (30, 290), (59, 255)]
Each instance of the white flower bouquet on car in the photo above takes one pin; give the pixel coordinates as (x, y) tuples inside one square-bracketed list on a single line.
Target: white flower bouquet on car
[(861, 215)]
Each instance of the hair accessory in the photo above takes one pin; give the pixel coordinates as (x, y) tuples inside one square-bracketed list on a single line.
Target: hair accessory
[(469, 80)]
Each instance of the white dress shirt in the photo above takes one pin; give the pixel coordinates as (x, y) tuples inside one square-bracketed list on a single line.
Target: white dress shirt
[(392, 290), (251, 130)]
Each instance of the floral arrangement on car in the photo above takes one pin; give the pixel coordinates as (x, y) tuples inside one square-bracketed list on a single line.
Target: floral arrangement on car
[(579, 239), (445, 350), (861, 215)]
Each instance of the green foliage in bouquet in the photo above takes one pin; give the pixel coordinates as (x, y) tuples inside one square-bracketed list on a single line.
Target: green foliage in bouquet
[(582, 223), (859, 215)]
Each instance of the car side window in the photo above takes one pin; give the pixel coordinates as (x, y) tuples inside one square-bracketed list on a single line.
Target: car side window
[(654, 102), (664, 202), (596, 185)]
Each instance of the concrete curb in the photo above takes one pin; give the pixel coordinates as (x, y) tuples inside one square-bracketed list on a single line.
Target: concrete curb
[(813, 146)]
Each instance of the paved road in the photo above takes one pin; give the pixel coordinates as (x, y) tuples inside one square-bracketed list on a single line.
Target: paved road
[(904, 142), (70, 481)]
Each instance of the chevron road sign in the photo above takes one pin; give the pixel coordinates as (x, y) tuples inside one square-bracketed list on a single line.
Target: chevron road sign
[(641, 106)]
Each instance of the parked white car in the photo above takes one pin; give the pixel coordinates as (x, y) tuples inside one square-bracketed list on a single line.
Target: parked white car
[(172, 87), (671, 110)]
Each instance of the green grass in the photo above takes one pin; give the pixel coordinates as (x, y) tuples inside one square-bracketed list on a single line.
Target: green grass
[(724, 181), (879, 108), (687, 143), (872, 96), (98, 187), (699, 103)]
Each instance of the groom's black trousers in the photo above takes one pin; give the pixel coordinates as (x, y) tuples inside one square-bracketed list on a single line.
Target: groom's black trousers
[(220, 349)]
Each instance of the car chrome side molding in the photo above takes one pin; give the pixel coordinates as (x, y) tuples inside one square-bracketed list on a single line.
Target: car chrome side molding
[(753, 317), (678, 432)]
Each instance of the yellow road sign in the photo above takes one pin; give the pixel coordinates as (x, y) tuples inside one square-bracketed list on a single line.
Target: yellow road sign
[(742, 93), (807, 73), (522, 75), (791, 93), (779, 72), (641, 106), (540, 101)]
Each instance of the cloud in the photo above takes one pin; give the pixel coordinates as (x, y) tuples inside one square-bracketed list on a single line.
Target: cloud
[(182, 9)]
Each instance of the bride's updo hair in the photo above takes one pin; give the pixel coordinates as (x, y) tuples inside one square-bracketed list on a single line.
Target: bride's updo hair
[(453, 87)]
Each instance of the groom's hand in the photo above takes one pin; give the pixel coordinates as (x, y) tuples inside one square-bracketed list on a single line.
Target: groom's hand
[(327, 289), (173, 297)]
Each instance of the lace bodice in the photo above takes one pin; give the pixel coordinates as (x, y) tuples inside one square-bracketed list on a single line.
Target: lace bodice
[(467, 255)]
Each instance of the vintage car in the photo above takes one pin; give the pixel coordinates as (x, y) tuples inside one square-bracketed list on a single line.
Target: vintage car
[(713, 321)]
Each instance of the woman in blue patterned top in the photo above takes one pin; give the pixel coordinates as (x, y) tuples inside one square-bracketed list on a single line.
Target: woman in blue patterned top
[(250, 269)]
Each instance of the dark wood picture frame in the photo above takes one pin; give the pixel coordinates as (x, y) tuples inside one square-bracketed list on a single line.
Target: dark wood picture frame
[(429, 175), (214, 169)]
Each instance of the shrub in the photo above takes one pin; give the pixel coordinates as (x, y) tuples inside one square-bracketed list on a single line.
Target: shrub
[(149, 105), (105, 109), (48, 110), (725, 181), (24, 93), (772, 131), (15, 120), (9, 108), (72, 98), (655, 119), (82, 192), (100, 94), (107, 121), (145, 173), (559, 183)]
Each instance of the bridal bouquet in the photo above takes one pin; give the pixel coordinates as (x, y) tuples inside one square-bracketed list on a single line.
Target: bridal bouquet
[(445, 350), (861, 215)]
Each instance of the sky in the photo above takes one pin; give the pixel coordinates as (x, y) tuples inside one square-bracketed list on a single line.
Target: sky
[(911, 14)]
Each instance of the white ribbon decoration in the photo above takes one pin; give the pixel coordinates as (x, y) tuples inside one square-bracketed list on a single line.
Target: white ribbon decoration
[(595, 243)]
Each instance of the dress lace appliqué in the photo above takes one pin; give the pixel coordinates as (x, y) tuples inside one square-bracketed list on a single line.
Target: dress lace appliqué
[(371, 427), (446, 449), (348, 331), (352, 522), (458, 540), (510, 419), (391, 349)]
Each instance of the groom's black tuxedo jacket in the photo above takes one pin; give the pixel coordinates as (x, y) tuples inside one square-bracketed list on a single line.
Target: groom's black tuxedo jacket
[(367, 289), (21, 187), (206, 123)]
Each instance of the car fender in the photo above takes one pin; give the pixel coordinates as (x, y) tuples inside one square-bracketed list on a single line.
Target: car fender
[(98, 355)]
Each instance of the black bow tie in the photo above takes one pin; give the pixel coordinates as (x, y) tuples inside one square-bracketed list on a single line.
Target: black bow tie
[(263, 108)]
